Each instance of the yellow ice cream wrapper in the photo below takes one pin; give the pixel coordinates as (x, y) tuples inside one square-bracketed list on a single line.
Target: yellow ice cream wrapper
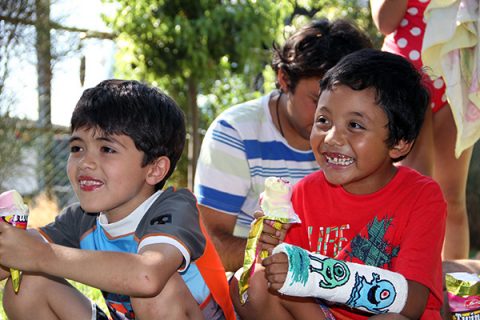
[(252, 253), (18, 221)]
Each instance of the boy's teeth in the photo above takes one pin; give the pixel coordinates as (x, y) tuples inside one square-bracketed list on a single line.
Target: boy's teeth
[(343, 161), (89, 183)]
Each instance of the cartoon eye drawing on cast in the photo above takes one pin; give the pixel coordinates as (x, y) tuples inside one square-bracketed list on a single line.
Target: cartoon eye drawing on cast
[(335, 273), (375, 296)]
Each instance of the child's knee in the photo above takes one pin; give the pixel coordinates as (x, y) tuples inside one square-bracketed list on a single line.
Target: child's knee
[(174, 302), (257, 293), (27, 297)]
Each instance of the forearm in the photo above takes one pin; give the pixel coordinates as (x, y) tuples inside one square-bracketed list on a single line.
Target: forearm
[(220, 227), (123, 273), (387, 14), (463, 265), (231, 250)]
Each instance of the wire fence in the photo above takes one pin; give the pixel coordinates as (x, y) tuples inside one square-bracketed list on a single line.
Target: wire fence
[(36, 161)]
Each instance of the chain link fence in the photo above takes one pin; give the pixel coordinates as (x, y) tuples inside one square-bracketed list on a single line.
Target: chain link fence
[(36, 160)]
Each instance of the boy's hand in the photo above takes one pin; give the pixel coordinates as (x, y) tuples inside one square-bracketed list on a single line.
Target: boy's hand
[(270, 236), (18, 248), (276, 269)]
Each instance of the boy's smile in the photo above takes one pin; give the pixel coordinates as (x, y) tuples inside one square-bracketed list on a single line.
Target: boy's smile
[(348, 140), (106, 173)]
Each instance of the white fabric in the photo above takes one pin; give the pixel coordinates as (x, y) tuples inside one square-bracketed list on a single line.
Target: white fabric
[(450, 49)]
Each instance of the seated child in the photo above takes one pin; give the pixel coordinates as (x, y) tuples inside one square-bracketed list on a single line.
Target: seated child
[(142, 246), (371, 233)]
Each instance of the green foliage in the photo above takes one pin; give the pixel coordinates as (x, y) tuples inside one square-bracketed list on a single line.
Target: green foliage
[(195, 39)]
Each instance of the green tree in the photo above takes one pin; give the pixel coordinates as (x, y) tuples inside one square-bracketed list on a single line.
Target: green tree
[(185, 46)]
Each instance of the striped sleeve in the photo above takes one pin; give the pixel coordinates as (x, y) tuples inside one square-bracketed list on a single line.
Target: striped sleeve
[(222, 179)]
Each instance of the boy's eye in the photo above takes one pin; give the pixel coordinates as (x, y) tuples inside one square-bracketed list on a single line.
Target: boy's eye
[(321, 120), (356, 125), (107, 150), (74, 149)]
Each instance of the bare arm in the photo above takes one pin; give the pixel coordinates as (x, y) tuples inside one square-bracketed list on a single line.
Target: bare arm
[(220, 226), (416, 300), (462, 265), (387, 14), (136, 275)]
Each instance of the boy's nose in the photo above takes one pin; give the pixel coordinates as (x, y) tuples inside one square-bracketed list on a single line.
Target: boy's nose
[(87, 162), (334, 137)]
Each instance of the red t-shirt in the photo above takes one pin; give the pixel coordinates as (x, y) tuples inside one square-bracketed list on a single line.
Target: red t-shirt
[(400, 228)]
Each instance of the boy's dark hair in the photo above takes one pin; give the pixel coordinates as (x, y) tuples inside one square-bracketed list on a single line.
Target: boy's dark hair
[(315, 48), (148, 116), (399, 87)]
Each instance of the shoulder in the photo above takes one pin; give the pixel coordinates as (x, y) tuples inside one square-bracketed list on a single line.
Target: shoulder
[(247, 112), (412, 179), (172, 197)]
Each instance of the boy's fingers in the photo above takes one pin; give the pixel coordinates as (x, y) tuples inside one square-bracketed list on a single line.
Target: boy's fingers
[(258, 214), (267, 228), (276, 278), (276, 258), (280, 258), (269, 239)]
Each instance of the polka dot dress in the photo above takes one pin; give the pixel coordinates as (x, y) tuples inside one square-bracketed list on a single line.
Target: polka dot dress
[(407, 42)]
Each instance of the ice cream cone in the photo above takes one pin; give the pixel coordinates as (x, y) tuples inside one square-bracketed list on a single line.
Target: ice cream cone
[(14, 212)]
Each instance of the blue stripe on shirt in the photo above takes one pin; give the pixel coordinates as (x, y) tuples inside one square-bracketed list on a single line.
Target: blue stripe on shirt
[(219, 200), (226, 124), (274, 150), (281, 172), (228, 140)]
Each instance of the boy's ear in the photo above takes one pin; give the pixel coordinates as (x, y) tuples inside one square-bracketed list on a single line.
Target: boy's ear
[(402, 148), (158, 170), (283, 80)]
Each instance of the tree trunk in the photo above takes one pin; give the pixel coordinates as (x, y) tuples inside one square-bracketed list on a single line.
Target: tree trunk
[(44, 70), (194, 138)]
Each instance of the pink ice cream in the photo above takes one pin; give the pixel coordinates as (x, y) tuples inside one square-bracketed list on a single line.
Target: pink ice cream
[(276, 199), (14, 212)]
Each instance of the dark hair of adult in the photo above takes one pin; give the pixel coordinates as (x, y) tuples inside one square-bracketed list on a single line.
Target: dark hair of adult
[(315, 48), (148, 116), (399, 87)]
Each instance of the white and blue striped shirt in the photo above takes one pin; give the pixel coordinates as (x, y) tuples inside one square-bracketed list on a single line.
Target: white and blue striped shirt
[(242, 147)]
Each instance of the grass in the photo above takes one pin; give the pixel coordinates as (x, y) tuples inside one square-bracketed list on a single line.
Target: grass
[(93, 294)]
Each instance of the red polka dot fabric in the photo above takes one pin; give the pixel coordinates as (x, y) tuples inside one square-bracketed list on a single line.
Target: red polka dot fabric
[(407, 42)]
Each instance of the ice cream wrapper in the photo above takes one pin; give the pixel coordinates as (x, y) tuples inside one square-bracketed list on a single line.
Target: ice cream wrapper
[(14, 212), (463, 291), (276, 205)]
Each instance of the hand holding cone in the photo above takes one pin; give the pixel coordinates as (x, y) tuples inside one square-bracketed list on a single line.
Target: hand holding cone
[(276, 204), (14, 212)]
